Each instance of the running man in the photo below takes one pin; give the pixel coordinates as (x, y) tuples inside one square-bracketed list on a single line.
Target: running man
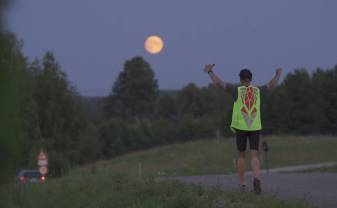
[(246, 118)]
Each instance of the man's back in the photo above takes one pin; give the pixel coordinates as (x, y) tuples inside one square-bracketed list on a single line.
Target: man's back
[(246, 109)]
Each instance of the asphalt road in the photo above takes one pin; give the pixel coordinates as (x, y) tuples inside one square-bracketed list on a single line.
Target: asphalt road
[(318, 188)]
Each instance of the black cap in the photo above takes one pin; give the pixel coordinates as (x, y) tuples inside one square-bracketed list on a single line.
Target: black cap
[(245, 74)]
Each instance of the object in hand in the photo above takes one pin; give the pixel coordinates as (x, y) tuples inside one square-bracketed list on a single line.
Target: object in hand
[(208, 67), (265, 146)]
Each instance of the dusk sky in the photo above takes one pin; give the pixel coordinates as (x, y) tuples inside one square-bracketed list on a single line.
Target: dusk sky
[(92, 39)]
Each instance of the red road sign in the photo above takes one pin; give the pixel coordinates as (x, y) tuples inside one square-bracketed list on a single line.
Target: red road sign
[(42, 155), (43, 170), (42, 162), (42, 159)]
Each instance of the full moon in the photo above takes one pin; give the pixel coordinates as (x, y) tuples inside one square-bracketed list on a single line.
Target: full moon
[(154, 44)]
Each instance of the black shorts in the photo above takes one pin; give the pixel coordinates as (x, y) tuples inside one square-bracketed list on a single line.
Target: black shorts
[(241, 139)]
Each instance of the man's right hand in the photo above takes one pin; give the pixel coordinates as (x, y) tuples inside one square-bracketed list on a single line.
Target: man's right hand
[(208, 67), (215, 79), (273, 82), (278, 71)]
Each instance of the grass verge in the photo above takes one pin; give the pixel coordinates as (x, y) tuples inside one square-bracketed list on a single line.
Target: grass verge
[(332, 169), (205, 157), (120, 191)]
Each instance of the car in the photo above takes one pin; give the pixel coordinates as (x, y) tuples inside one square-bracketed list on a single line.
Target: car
[(31, 176)]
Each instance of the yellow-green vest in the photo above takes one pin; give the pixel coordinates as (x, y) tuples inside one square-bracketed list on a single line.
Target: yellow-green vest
[(246, 110)]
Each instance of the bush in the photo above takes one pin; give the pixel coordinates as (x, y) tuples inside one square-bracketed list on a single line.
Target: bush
[(190, 129), (58, 164)]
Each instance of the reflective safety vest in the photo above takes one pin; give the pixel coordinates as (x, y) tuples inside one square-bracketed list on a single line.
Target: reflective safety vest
[(246, 110)]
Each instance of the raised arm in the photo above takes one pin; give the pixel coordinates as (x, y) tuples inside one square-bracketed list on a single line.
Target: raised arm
[(215, 79), (273, 82)]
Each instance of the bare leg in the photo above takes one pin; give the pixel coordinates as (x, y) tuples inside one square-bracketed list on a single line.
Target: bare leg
[(255, 163), (241, 167)]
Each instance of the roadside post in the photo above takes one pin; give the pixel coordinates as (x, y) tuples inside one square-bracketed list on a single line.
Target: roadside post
[(140, 170), (265, 148), (218, 135)]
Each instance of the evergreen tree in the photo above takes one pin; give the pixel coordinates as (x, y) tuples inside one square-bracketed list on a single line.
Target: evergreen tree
[(12, 143), (191, 102), (166, 107), (59, 113), (135, 91)]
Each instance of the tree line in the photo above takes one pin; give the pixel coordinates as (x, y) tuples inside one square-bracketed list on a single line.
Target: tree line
[(41, 109)]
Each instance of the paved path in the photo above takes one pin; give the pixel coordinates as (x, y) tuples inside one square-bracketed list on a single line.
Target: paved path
[(319, 188)]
